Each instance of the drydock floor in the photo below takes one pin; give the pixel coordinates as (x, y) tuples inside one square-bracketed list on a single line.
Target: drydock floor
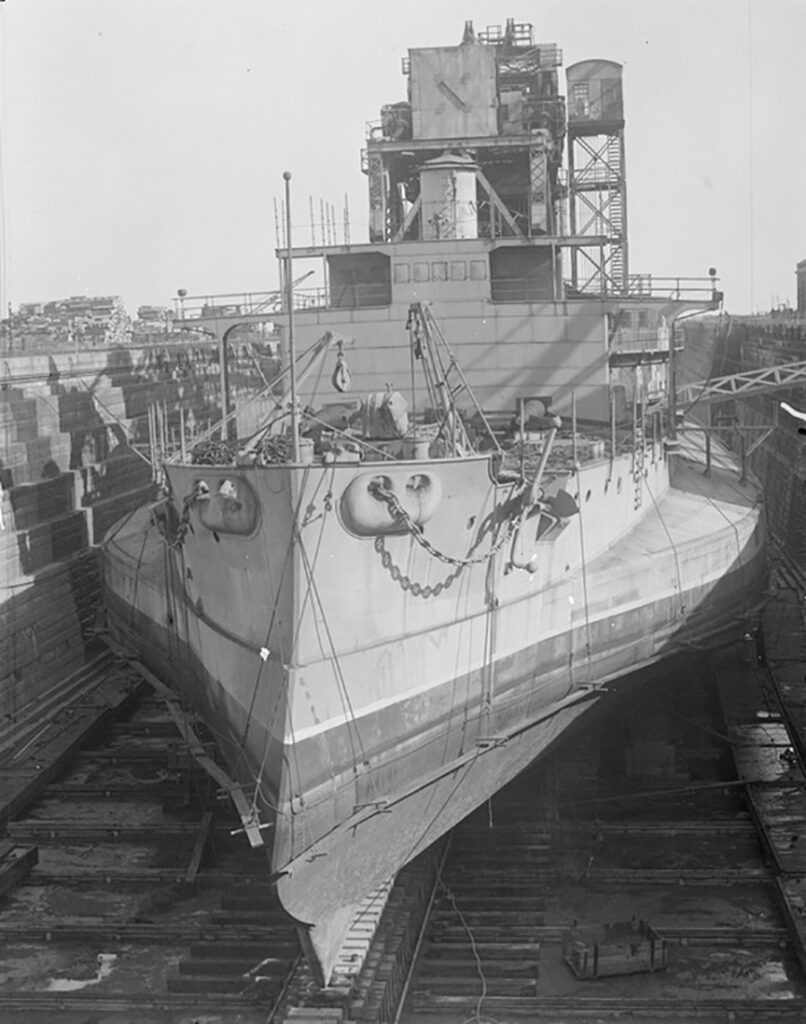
[(679, 800)]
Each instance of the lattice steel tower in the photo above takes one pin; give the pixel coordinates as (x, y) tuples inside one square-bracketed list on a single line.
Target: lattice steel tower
[(597, 187)]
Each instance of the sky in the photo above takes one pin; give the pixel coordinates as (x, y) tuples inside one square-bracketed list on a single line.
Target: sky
[(142, 144)]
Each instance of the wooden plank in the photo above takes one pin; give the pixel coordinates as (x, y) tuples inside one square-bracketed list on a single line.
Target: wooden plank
[(22, 783), (15, 865), (198, 849), (246, 812)]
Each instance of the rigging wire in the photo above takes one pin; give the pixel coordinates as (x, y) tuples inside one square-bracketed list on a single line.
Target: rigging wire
[(266, 642), (123, 521), (440, 810), (281, 699), (487, 674), (332, 655), (438, 814), (336, 664), (137, 571), (584, 581), (672, 544)]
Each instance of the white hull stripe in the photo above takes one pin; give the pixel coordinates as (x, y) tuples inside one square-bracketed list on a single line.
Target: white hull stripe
[(296, 736)]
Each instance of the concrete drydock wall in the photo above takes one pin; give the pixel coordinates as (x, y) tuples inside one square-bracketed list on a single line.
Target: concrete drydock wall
[(69, 426), (718, 347)]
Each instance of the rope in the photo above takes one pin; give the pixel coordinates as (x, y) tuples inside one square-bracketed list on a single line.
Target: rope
[(673, 547), (137, 569), (278, 702), (123, 522), (476, 1018), (352, 719)]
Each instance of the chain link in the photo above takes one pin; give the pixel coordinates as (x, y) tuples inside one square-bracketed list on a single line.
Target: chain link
[(406, 583), (377, 490), (178, 539)]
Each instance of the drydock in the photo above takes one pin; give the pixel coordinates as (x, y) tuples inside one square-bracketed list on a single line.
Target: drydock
[(130, 893), (652, 864)]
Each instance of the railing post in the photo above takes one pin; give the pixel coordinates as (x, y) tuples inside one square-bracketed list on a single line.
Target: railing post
[(672, 385), (655, 416), (707, 452), (612, 430), (223, 379)]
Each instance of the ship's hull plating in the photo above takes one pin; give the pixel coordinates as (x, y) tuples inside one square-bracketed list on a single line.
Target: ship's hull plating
[(365, 742)]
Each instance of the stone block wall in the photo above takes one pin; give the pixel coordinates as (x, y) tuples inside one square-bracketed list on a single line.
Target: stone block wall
[(73, 427)]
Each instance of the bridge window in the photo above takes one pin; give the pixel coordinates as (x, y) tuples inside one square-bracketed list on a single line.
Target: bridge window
[(360, 279), (521, 275), (478, 270)]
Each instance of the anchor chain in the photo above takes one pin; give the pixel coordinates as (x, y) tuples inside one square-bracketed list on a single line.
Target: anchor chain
[(381, 493), (406, 583), (178, 539)]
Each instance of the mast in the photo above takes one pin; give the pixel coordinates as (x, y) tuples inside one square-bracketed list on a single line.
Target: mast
[(292, 355)]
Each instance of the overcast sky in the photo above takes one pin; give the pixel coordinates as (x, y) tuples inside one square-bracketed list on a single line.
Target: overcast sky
[(143, 143)]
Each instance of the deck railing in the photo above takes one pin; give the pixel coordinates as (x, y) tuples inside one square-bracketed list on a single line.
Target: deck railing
[(194, 307), (626, 341), (248, 304), (358, 296), (701, 289)]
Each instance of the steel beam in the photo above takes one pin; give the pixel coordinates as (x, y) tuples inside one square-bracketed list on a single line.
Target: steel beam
[(743, 385)]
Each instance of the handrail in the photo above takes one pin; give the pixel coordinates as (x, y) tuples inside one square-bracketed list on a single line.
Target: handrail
[(192, 307), (650, 286), (353, 296), (680, 289), (234, 304), (644, 340)]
